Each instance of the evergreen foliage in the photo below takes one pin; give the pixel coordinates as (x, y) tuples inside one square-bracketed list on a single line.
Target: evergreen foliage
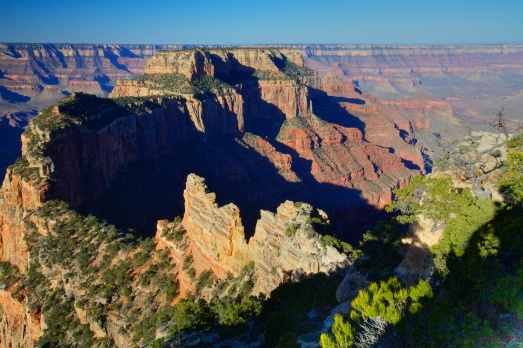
[(92, 111), (388, 300), (511, 183), (343, 247), (479, 261), (342, 334), (174, 82), (458, 211)]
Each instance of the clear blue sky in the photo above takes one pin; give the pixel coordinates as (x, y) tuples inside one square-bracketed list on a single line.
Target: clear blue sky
[(262, 21)]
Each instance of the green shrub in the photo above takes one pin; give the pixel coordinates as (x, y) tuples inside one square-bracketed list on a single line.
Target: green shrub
[(173, 82), (205, 279), (291, 230), (342, 334), (187, 261), (388, 300), (191, 273)]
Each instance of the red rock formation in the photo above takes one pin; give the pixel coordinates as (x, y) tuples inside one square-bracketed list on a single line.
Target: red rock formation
[(18, 327), (299, 101), (73, 67), (298, 127)]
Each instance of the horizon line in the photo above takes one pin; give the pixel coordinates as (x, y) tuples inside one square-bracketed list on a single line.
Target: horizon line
[(517, 43)]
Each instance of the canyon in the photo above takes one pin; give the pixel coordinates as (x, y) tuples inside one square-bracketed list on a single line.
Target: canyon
[(441, 84), (476, 81), (34, 76), (255, 125), (233, 161)]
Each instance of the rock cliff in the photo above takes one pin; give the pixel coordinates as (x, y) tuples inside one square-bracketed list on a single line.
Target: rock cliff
[(328, 131), (18, 327), (284, 247), (259, 123)]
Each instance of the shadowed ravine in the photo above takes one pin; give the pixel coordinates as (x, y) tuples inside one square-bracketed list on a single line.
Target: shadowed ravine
[(234, 168)]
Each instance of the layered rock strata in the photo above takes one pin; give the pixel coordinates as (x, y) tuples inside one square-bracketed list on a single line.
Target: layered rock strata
[(475, 80), (34, 76), (284, 247), (75, 150), (345, 135)]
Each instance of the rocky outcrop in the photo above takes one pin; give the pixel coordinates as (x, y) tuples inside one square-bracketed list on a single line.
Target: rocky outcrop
[(223, 63), (216, 231), (284, 247), (85, 159), (18, 327)]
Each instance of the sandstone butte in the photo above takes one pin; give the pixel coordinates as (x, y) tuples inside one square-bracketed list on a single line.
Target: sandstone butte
[(74, 150)]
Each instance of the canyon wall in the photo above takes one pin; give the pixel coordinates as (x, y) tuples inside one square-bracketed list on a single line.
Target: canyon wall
[(333, 134), (318, 138), (477, 81), (34, 76)]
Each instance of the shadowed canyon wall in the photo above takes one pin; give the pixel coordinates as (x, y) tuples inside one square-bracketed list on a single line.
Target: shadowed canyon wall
[(34, 76), (469, 82)]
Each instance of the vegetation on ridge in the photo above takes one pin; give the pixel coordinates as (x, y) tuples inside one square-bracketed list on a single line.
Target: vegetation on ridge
[(110, 273), (174, 82), (92, 111), (473, 298), (203, 87)]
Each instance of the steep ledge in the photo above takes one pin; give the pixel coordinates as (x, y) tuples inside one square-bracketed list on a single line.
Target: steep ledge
[(87, 155), (216, 231), (284, 247)]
